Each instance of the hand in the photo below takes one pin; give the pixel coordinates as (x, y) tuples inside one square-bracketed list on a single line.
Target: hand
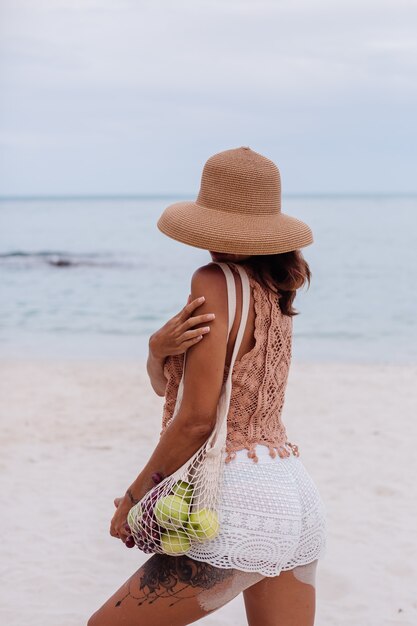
[(118, 525), (178, 334)]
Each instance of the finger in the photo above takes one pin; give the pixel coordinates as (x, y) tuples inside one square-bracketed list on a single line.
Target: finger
[(118, 533), (117, 501), (189, 299), (114, 532), (189, 308), (123, 534), (197, 319), (191, 342), (195, 332), (183, 347)]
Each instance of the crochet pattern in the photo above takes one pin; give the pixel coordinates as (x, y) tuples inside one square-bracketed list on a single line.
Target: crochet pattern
[(259, 380), (272, 517)]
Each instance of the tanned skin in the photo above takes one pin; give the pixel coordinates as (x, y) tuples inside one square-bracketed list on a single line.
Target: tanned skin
[(176, 591)]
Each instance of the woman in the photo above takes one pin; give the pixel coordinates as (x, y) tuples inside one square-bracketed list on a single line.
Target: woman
[(273, 528)]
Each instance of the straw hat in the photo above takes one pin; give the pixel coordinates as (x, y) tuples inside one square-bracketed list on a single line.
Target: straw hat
[(238, 209)]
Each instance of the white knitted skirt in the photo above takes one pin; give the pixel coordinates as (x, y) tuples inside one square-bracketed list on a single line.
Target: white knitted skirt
[(271, 515)]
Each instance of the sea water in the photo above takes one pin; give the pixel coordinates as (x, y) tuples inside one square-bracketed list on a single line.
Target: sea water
[(93, 277)]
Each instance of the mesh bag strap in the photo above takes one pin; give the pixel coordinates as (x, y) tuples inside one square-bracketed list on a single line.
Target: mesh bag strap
[(231, 304), (231, 293), (219, 433), (220, 429)]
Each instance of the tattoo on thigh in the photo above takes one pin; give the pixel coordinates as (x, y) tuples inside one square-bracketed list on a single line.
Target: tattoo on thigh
[(175, 577)]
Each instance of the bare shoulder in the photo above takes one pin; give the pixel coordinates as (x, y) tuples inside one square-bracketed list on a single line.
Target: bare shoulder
[(209, 276), (209, 281)]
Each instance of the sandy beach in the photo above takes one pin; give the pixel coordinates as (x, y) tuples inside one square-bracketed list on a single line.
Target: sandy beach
[(75, 434)]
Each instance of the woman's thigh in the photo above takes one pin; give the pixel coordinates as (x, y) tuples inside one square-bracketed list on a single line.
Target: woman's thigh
[(172, 590), (285, 600)]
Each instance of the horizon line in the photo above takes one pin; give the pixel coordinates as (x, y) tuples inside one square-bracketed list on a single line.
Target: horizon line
[(138, 196)]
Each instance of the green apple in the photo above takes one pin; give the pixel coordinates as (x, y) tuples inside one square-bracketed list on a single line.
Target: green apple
[(175, 542), (202, 525), (183, 490), (171, 511), (134, 516)]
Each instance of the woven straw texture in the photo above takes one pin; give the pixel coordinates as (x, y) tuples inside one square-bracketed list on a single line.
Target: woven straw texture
[(238, 209)]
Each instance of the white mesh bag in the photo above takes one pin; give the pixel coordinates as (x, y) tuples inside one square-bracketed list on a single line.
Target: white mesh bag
[(182, 508)]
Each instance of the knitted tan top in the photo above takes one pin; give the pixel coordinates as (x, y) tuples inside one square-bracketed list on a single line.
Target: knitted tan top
[(259, 380)]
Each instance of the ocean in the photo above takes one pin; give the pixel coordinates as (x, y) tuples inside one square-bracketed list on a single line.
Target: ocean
[(92, 278)]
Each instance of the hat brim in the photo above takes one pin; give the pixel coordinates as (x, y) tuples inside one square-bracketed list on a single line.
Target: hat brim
[(222, 231)]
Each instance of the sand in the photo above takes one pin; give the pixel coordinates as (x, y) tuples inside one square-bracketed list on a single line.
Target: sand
[(74, 435)]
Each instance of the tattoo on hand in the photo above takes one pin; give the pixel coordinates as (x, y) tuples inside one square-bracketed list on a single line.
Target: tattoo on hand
[(174, 578), (132, 498)]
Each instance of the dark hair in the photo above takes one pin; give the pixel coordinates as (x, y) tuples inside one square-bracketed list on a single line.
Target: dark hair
[(283, 273)]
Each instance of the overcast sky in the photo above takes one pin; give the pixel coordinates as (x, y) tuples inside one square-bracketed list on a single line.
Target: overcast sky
[(132, 96)]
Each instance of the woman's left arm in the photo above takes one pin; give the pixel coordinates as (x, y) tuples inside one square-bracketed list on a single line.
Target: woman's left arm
[(196, 416)]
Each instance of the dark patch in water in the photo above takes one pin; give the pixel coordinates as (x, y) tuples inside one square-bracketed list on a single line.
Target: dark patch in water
[(60, 262), (60, 259)]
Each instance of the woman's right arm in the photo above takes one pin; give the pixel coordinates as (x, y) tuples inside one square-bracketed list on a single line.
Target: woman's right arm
[(175, 337)]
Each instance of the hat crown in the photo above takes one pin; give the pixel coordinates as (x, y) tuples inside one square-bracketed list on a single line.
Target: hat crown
[(241, 181)]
